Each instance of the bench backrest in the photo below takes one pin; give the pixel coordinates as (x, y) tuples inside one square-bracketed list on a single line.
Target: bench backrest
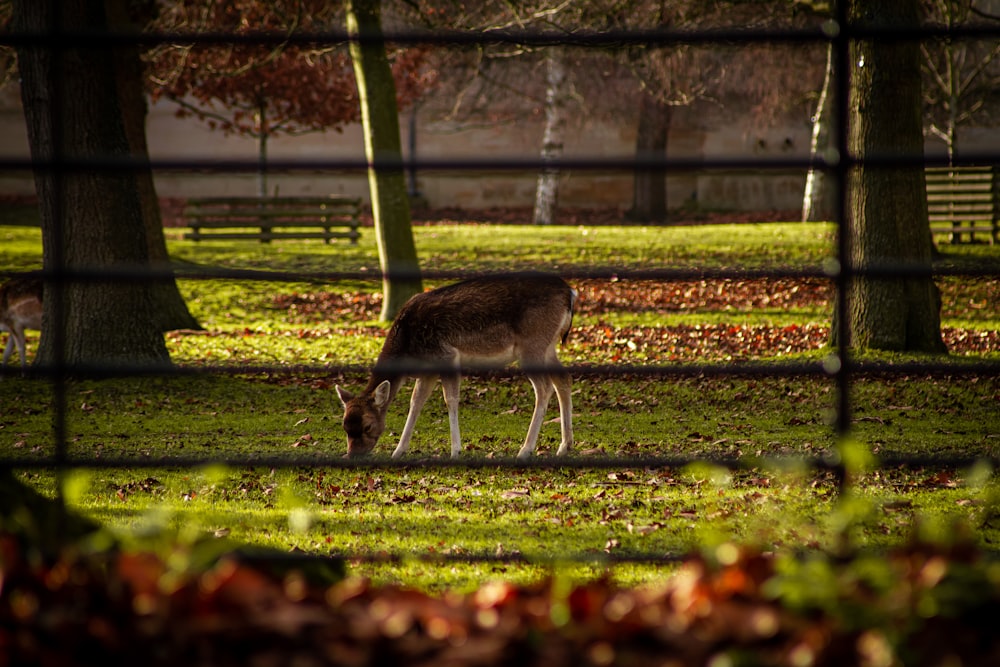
[(963, 193), (288, 210)]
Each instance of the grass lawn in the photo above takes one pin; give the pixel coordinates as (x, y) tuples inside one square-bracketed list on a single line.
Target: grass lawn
[(572, 519)]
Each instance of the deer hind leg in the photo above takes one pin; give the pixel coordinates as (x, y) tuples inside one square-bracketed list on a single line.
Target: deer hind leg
[(22, 347), (563, 385), (543, 394), (422, 389), (450, 384)]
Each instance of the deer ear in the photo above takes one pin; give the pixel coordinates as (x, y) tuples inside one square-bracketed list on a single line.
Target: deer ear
[(381, 394), (344, 395)]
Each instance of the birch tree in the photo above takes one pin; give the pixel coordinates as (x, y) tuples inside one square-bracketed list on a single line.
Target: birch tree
[(819, 198), (961, 76), (556, 100)]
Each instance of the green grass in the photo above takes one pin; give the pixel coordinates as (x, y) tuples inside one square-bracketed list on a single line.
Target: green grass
[(556, 517)]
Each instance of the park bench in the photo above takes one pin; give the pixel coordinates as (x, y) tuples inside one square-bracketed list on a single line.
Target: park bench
[(964, 200), (270, 218)]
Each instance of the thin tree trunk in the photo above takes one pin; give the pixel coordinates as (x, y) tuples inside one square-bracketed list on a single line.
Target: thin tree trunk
[(954, 93), (888, 223), (556, 96), (380, 119), (951, 79), (649, 190), (169, 310), (262, 149), (92, 219), (819, 200)]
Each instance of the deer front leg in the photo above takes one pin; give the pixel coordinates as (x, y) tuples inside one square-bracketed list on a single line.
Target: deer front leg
[(450, 385), (8, 348), (422, 389), (16, 338), (543, 392)]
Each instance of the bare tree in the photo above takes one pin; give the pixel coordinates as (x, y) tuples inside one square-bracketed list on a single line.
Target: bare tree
[(752, 82), (961, 76), (495, 82)]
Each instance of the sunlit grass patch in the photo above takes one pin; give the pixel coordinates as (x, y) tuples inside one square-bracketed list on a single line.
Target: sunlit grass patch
[(438, 527)]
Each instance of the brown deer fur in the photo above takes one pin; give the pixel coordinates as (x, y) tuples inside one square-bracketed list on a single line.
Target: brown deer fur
[(20, 309), (478, 323)]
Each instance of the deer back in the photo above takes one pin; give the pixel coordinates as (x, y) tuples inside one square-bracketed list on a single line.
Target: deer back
[(496, 319)]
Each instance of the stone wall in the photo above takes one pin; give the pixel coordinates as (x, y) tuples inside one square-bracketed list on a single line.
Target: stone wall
[(176, 140)]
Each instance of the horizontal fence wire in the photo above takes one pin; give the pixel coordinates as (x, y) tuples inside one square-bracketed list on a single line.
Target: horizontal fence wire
[(412, 462), (278, 165), (833, 31), (831, 270), (840, 367), (830, 368)]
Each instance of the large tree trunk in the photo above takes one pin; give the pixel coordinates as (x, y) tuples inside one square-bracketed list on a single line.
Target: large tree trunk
[(380, 118), (169, 310), (887, 207), (92, 219), (649, 194), (820, 198), (556, 95)]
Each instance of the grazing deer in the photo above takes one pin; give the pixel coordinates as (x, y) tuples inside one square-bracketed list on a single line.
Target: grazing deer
[(483, 322), (20, 309)]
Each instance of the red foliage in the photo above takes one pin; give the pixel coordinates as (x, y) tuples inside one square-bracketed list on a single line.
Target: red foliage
[(133, 607), (260, 89)]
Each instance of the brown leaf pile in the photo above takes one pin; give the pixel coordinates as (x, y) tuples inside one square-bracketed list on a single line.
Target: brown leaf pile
[(132, 606), (327, 306), (700, 342), (602, 296)]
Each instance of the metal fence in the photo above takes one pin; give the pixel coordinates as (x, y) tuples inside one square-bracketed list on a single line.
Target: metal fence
[(841, 367)]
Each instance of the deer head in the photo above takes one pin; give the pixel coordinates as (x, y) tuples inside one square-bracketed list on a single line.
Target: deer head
[(364, 417)]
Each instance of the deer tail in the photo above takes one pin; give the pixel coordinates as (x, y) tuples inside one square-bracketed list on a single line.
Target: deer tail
[(573, 294)]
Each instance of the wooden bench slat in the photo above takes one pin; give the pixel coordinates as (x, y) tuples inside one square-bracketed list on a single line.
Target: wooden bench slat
[(195, 236), (960, 177), (273, 218), (978, 188), (961, 204), (965, 169)]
